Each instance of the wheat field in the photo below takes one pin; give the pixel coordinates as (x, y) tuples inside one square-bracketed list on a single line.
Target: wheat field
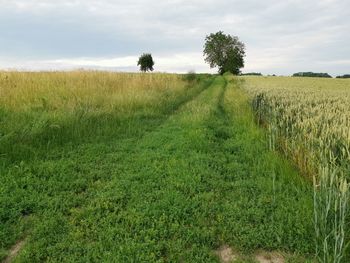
[(312, 114), (309, 120)]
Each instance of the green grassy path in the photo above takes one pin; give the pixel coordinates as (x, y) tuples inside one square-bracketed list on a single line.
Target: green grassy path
[(202, 179)]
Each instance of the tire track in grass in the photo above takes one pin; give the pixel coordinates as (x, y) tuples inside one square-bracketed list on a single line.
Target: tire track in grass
[(14, 251), (252, 213), (162, 217)]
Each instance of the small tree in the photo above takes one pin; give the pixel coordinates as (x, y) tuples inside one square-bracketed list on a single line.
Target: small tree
[(146, 62), (225, 52)]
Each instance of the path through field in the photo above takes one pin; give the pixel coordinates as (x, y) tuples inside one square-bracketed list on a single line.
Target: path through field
[(200, 180)]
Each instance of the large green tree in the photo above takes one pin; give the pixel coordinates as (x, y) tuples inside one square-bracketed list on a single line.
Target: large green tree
[(146, 62), (225, 52)]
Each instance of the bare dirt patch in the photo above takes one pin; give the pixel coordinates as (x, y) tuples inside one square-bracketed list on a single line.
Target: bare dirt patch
[(269, 257), (14, 251), (226, 254)]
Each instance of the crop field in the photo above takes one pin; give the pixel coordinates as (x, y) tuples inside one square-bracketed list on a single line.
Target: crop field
[(309, 120), (118, 167), (312, 114)]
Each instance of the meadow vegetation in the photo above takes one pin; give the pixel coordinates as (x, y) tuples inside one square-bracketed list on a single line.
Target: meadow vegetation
[(43, 110), (107, 167)]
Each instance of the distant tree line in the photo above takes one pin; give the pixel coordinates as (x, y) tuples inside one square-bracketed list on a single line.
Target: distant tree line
[(252, 74), (312, 74), (346, 76)]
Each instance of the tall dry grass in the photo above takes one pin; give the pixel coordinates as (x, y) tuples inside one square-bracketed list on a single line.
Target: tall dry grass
[(44, 109), (62, 91)]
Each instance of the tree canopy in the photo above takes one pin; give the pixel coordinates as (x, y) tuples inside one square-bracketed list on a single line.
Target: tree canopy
[(146, 62), (225, 52)]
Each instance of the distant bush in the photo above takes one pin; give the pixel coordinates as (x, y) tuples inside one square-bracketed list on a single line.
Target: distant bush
[(252, 74), (312, 74), (346, 76), (190, 76)]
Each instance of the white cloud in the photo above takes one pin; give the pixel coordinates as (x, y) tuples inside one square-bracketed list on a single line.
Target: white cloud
[(281, 36)]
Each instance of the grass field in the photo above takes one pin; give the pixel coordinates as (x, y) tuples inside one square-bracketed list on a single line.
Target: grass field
[(106, 167)]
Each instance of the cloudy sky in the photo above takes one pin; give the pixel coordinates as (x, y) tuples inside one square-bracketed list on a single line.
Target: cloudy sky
[(281, 36)]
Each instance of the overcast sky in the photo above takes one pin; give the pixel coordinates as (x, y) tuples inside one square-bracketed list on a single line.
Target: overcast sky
[(281, 36)]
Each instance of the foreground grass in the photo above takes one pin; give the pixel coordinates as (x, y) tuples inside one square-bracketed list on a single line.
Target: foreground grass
[(188, 182)]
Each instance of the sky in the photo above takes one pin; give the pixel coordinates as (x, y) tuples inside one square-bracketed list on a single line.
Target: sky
[(281, 36)]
